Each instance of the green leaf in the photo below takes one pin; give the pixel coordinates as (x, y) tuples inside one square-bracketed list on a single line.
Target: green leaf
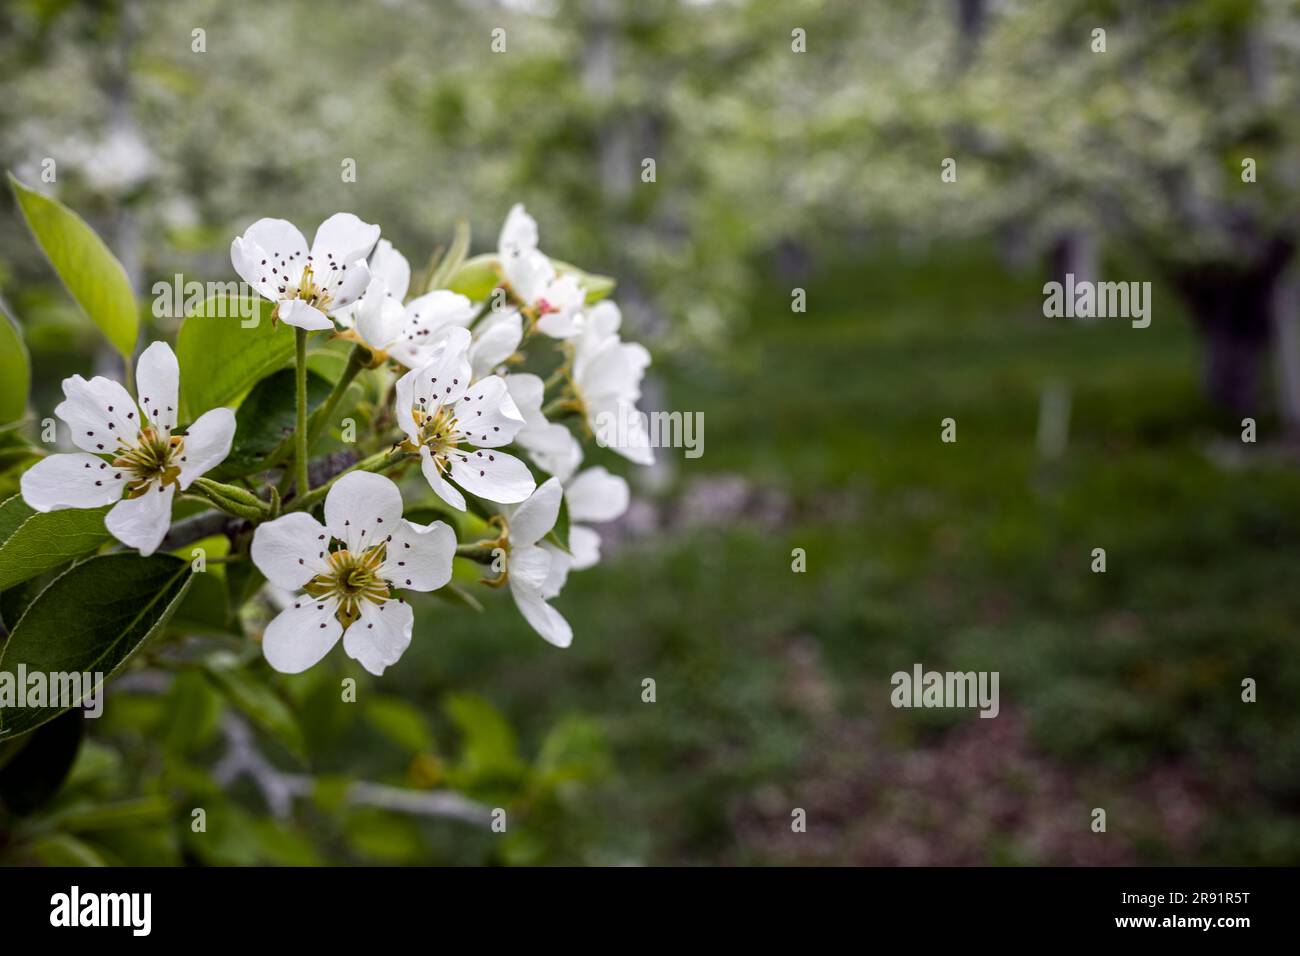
[(88, 269), (60, 849), (597, 286), (489, 748), (32, 542), (454, 258), (15, 370), (91, 619), (221, 359), (265, 419), (38, 770), (257, 700), (476, 278)]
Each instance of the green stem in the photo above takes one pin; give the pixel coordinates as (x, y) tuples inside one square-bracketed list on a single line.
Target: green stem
[(357, 360), (300, 426), (480, 551), (379, 462)]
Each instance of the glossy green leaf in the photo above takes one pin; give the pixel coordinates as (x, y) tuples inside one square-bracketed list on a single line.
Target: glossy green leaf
[(222, 355), (91, 619), (476, 278), (264, 421), (85, 265), (15, 370), (597, 286), (32, 542)]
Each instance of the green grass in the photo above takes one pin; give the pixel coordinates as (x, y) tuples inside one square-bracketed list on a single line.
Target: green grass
[(973, 555)]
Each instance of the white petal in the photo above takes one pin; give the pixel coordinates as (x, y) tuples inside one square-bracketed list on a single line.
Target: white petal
[(342, 238), (441, 487), (527, 390), (545, 620), (157, 382), (281, 240), (529, 565), (557, 573), (563, 299), (404, 402), (554, 450), (391, 266), (301, 634), (536, 516), (601, 322), (584, 545), (618, 426), (446, 378), (252, 264), (362, 508), (492, 475), (495, 340), (100, 413), (207, 443), (381, 636), (529, 275), (299, 314), (379, 316), (291, 550), (614, 371), (439, 308), (419, 557), (596, 495), (344, 281), (518, 233), (142, 522), (71, 481), (487, 415)]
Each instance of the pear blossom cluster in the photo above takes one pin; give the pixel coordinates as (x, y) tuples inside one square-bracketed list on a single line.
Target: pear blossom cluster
[(484, 434)]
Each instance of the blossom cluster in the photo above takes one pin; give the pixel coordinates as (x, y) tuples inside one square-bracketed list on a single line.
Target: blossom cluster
[(456, 407)]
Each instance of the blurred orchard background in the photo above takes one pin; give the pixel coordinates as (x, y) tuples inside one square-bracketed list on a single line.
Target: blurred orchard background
[(1171, 157)]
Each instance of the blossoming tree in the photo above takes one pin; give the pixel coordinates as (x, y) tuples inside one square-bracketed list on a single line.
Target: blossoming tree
[(339, 436)]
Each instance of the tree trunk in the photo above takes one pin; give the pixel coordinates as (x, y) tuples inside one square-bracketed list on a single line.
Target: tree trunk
[(1234, 308)]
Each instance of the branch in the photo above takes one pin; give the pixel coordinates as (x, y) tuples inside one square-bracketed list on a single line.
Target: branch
[(242, 759)]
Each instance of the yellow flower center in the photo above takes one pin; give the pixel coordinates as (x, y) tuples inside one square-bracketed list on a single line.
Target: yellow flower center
[(154, 457), (351, 579)]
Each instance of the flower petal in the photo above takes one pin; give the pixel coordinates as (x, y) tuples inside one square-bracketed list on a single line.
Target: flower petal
[(71, 481), (441, 487), (391, 266), (381, 636), (301, 635), (342, 238), (495, 339), (529, 274), (596, 495), (619, 427), (518, 232), (142, 522), (300, 315), (530, 565), (487, 414), (158, 381), (545, 620), (584, 545), (207, 443), (379, 316), (362, 508), (100, 413), (536, 516), (492, 475), (446, 377), (557, 572), (419, 557), (404, 402), (281, 240), (291, 550), (252, 264)]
